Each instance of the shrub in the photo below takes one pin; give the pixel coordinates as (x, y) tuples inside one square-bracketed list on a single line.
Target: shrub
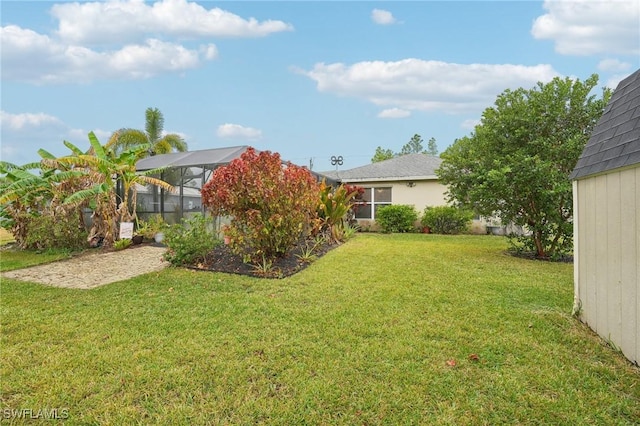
[(271, 205), (61, 231), (397, 218), (121, 244), (335, 204), (189, 241), (150, 227), (446, 219)]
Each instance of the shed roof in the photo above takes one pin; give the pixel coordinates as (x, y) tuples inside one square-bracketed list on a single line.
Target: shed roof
[(192, 158), (404, 167), (615, 141)]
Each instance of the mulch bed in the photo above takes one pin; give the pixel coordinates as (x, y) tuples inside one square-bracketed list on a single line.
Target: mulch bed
[(221, 259)]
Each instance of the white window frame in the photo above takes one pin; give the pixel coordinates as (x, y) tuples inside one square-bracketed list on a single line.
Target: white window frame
[(373, 203)]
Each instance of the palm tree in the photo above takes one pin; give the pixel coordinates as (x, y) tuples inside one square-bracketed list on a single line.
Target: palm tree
[(152, 136)]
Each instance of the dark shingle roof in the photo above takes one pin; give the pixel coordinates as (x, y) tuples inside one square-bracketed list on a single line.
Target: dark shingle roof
[(615, 141), (192, 158), (404, 167)]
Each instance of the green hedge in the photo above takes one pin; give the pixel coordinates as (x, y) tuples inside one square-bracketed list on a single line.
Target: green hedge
[(397, 218), (446, 219)]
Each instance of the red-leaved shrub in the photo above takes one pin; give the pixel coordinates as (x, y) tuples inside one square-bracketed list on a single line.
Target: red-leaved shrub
[(271, 205)]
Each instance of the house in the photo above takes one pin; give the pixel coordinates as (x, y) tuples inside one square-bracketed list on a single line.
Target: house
[(606, 197), (407, 179), (187, 172)]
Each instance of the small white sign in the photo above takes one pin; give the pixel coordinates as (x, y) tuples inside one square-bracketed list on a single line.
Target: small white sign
[(126, 230)]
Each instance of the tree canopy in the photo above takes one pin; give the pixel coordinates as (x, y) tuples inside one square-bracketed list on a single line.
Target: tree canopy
[(382, 155), (152, 137), (517, 162), (414, 146)]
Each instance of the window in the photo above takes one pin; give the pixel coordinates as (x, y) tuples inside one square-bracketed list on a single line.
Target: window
[(373, 199)]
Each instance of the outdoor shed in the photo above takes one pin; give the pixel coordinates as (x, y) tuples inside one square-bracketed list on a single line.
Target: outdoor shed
[(606, 197)]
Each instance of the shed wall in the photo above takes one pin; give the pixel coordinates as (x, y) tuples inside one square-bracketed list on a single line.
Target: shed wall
[(607, 256)]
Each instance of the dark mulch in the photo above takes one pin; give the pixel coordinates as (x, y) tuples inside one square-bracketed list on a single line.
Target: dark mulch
[(564, 258), (221, 259)]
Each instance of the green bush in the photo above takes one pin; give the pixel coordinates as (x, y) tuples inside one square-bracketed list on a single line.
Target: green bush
[(60, 232), (189, 241), (446, 219), (121, 244), (398, 218)]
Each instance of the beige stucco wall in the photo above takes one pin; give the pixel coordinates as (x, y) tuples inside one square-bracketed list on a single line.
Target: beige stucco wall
[(607, 257), (420, 195)]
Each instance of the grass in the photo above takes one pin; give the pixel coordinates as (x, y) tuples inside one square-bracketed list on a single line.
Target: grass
[(13, 258), (5, 237), (368, 334), (16, 259)]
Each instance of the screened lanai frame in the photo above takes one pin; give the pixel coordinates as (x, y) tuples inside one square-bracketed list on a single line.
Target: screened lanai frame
[(187, 172)]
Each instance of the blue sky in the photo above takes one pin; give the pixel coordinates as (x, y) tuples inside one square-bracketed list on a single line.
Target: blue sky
[(309, 80)]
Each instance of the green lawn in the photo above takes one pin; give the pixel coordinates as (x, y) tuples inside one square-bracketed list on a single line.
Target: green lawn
[(5, 237), (368, 334)]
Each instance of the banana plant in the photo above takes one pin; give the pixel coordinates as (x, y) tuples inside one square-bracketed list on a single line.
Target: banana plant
[(25, 195), (104, 168)]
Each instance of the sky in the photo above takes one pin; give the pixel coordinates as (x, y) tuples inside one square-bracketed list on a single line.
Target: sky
[(309, 80)]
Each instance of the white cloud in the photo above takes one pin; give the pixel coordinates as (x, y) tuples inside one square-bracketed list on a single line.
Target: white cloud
[(585, 27), (236, 131), (382, 17), (124, 20), (612, 81), (415, 84), (613, 65), (469, 124), (210, 51), (122, 39), (39, 59), (394, 113), (27, 120), (23, 134)]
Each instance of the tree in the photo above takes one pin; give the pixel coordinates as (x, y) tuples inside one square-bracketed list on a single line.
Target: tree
[(516, 164), (152, 137), (414, 146), (27, 198), (103, 168), (432, 147), (271, 205), (382, 154)]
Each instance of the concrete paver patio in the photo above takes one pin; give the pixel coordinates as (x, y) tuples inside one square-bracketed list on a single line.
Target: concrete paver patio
[(94, 269)]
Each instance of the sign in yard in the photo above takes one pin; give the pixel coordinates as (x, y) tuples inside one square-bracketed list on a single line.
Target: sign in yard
[(126, 230)]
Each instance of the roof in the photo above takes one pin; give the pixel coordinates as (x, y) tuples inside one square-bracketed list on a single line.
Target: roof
[(214, 156), (404, 167), (192, 158), (615, 141)]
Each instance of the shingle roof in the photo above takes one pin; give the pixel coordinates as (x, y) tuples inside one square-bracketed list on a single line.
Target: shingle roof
[(192, 158), (404, 167), (615, 141)]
